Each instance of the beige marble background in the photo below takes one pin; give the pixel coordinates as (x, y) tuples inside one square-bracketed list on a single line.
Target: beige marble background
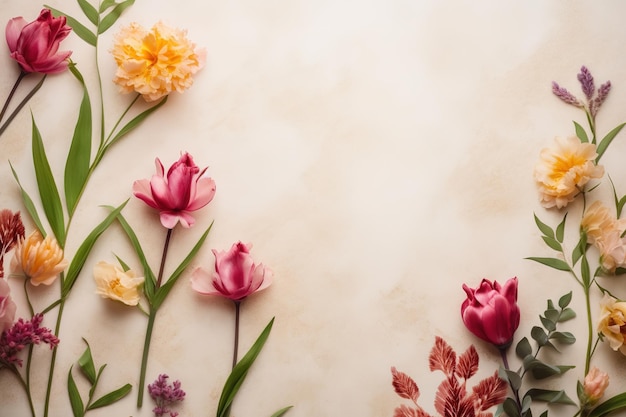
[(377, 153)]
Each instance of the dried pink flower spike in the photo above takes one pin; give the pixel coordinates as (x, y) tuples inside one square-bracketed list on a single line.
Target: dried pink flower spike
[(586, 82), (165, 395), (22, 334)]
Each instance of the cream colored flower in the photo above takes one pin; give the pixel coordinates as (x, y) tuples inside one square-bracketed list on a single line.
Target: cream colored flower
[(114, 283), (605, 232), (612, 323), (155, 62), (564, 170), (41, 260), (594, 385)]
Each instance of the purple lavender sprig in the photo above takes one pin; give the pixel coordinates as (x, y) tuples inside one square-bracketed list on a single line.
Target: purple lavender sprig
[(593, 98), (24, 333), (165, 395), (586, 82)]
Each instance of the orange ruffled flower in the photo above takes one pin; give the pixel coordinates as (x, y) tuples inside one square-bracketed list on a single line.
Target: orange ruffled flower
[(564, 170), (155, 62), (41, 260), (604, 230)]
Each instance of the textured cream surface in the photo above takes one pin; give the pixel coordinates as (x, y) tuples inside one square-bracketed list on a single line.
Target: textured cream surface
[(378, 154)]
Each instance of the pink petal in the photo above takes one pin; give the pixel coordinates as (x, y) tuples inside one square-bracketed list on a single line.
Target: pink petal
[(13, 31), (204, 193), (161, 193), (201, 282), (169, 219), (141, 190)]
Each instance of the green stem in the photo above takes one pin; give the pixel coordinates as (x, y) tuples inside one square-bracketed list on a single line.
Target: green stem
[(26, 387), (21, 105), (505, 362), (20, 77), (590, 331), (53, 360), (236, 343), (144, 357)]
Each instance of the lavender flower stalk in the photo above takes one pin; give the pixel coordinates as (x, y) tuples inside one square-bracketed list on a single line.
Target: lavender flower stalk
[(165, 395)]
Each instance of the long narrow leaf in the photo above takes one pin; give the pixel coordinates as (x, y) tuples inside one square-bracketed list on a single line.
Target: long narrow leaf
[(167, 287), (544, 228), (580, 132), (80, 29), (86, 364), (150, 278), (552, 262), (48, 191), (108, 20), (90, 11), (606, 141), (75, 400), (135, 122), (111, 397), (28, 203), (615, 403), (106, 4), (282, 411), (85, 248), (239, 372), (79, 155)]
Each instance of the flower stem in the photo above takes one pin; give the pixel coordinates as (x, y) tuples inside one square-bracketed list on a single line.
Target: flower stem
[(21, 105), (236, 344), (53, 360), (151, 319), (144, 357), (590, 331), (26, 388), (505, 362), (10, 96)]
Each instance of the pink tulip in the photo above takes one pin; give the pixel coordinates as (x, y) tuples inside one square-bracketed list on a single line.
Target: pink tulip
[(491, 311), (183, 190), (7, 306), (35, 45), (236, 275)]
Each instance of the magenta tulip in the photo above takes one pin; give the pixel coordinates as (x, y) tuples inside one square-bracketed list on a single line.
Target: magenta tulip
[(491, 311), (185, 189), (35, 45), (236, 275)]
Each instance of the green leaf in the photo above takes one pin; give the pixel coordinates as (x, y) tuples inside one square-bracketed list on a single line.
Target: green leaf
[(134, 123), (544, 228), (111, 397), (515, 381), (523, 348), (606, 141), (48, 191), (615, 403), (86, 364), (85, 248), (108, 20), (75, 400), (565, 300), (550, 396), (548, 324), (510, 408), (90, 11), (584, 272), (552, 243), (80, 29), (560, 229), (541, 370), (552, 263), (580, 249), (79, 156), (149, 284), (539, 335), (239, 372), (567, 314), (282, 411), (162, 292), (123, 264), (552, 314), (580, 132), (563, 337), (28, 203)]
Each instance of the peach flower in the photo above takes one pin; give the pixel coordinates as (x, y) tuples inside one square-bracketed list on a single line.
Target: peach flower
[(594, 385), (114, 283), (41, 260), (564, 170), (155, 62), (605, 231), (612, 323)]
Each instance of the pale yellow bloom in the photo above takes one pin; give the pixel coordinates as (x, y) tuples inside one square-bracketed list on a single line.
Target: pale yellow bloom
[(41, 260), (564, 170), (155, 62), (114, 283), (605, 231), (612, 323), (594, 385)]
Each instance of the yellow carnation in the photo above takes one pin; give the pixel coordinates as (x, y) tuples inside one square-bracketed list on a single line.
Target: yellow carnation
[(612, 323), (114, 283), (41, 260), (564, 170), (156, 62)]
